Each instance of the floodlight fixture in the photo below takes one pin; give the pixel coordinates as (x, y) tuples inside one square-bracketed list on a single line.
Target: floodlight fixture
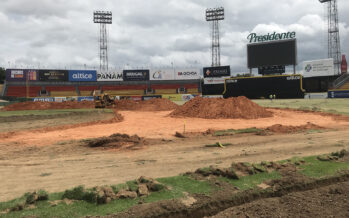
[(213, 14), (334, 49), (105, 17)]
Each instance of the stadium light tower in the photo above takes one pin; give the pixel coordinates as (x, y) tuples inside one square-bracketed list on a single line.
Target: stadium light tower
[(103, 18), (215, 15), (334, 50)]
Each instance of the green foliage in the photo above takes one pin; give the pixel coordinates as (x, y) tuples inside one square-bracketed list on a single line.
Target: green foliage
[(316, 169), (239, 131), (76, 193), (76, 209), (335, 106), (117, 188), (340, 154), (132, 185), (187, 184), (251, 181)]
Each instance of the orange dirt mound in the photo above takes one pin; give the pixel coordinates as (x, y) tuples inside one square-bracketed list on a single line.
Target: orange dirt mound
[(232, 108), (29, 105), (158, 104), (278, 128)]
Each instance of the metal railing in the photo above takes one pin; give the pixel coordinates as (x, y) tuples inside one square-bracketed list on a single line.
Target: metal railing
[(340, 81)]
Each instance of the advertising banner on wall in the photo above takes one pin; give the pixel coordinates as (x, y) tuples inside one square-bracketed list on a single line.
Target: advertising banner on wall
[(338, 94), (87, 98), (214, 80), (21, 75), (53, 75), (174, 97), (216, 71), (314, 68), (149, 97), (136, 75), (162, 74), (44, 99), (82, 76), (187, 74), (105, 76)]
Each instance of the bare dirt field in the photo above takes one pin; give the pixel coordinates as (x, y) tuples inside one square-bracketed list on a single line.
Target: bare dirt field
[(59, 159)]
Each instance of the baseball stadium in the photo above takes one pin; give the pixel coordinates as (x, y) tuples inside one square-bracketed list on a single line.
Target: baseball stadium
[(180, 141)]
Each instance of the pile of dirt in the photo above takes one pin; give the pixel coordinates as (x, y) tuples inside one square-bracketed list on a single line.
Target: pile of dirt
[(29, 105), (117, 141), (278, 128), (156, 104), (232, 108)]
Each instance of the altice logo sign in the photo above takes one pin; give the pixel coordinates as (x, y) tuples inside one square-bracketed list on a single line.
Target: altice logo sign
[(253, 37)]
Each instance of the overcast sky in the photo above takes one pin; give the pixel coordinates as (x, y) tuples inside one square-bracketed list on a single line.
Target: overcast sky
[(145, 33)]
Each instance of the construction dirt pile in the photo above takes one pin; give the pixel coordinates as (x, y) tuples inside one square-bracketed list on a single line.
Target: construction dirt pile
[(117, 141), (156, 104), (29, 105), (231, 108), (278, 128)]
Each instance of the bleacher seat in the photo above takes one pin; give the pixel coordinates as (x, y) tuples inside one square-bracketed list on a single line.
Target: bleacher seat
[(21, 91), (63, 93), (345, 86)]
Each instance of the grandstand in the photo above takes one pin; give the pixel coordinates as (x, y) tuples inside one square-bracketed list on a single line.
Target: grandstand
[(62, 86)]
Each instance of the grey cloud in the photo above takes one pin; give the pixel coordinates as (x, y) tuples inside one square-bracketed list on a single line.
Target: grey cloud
[(155, 32)]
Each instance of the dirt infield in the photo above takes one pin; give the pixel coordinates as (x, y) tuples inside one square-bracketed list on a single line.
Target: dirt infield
[(232, 108), (157, 104)]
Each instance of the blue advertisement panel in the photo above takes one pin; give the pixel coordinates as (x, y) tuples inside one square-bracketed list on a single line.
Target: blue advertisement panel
[(21, 75), (82, 75), (338, 94)]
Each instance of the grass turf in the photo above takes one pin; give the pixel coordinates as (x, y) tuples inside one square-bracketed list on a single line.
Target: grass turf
[(335, 106)]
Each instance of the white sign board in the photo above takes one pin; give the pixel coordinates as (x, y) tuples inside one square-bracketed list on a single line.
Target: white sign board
[(314, 68), (214, 80), (109, 76), (162, 74), (187, 74)]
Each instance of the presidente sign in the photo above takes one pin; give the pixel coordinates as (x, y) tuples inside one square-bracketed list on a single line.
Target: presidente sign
[(253, 37)]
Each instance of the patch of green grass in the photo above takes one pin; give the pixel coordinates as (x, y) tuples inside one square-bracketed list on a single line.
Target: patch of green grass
[(119, 187), (316, 169), (239, 131), (335, 106), (132, 185), (48, 112), (250, 182), (177, 186), (76, 209)]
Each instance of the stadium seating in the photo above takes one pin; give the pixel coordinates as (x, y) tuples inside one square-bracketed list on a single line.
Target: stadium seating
[(63, 93), (192, 88), (345, 86), (165, 88), (87, 90), (21, 91)]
